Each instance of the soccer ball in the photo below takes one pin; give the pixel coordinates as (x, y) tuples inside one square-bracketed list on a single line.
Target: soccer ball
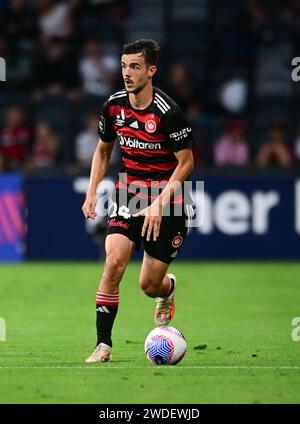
[(165, 345)]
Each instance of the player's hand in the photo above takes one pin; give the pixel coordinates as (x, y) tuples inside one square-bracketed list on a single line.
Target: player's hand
[(89, 206), (152, 221)]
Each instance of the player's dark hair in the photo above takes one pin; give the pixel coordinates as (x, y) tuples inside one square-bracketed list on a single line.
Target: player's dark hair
[(149, 48)]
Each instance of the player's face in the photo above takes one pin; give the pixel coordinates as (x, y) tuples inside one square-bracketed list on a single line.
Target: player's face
[(136, 73)]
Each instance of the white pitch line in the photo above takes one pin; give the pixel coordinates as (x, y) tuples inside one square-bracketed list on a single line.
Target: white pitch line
[(208, 367)]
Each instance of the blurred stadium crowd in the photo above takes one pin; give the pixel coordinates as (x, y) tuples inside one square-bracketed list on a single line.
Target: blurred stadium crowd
[(226, 62)]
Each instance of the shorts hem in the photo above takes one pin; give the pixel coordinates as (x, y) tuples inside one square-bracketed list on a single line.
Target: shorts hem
[(158, 258), (117, 231)]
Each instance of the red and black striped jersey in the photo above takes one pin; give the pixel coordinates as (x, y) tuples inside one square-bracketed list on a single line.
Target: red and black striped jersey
[(148, 138)]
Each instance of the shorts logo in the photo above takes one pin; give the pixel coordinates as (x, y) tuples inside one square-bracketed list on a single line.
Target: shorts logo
[(114, 223), (177, 241), (150, 126)]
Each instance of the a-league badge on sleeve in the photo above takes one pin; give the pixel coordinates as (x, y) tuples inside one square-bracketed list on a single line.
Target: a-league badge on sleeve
[(102, 124)]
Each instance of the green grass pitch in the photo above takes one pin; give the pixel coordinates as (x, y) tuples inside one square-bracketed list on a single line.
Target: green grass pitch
[(236, 317)]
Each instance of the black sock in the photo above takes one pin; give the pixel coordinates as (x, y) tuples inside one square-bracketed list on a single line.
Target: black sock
[(106, 311)]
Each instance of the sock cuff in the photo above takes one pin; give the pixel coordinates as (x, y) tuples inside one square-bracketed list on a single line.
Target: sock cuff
[(171, 286), (107, 299)]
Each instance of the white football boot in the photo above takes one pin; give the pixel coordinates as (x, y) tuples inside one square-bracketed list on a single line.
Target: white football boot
[(102, 353), (165, 306)]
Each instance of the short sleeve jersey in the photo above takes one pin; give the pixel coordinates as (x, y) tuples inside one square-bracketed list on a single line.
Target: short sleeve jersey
[(148, 138)]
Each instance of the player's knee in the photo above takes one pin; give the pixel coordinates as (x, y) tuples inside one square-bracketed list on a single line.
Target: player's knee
[(114, 267), (150, 291), (148, 287)]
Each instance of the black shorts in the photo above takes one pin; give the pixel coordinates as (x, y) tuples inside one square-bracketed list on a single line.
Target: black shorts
[(173, 231)]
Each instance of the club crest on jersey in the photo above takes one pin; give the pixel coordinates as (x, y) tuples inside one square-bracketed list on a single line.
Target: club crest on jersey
[(150, 126), (177, 241)]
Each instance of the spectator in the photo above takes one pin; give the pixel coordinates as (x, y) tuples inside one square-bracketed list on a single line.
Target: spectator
[(86, 143), (261, 9), (45, 147), (201, 126), (179, 85), (98, 69), (18, 23), (54, 19), (56, 68), (15, 137), (291, 14), (232, 148), (256, 11), (275, 151), (18, 67)]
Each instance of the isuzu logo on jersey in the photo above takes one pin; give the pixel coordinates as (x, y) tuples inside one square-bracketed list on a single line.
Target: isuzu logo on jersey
[(150, 126), (179, 135), (137, 144)]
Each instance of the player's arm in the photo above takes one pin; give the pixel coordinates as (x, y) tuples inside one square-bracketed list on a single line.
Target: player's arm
[(153, 214), (180, 139), (183, 169), (100, 164)]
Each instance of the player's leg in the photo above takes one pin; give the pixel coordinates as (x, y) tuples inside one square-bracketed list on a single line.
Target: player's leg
[(118, 250), (158, 255), (155, 282), (118, 253)]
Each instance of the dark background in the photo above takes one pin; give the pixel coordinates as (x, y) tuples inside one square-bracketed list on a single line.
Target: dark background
[(228, 63)]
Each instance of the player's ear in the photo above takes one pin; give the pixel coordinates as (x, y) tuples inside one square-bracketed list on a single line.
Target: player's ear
[(151, 70)]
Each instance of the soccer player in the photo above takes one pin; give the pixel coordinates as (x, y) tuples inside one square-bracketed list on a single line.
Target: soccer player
[(155, 141)]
